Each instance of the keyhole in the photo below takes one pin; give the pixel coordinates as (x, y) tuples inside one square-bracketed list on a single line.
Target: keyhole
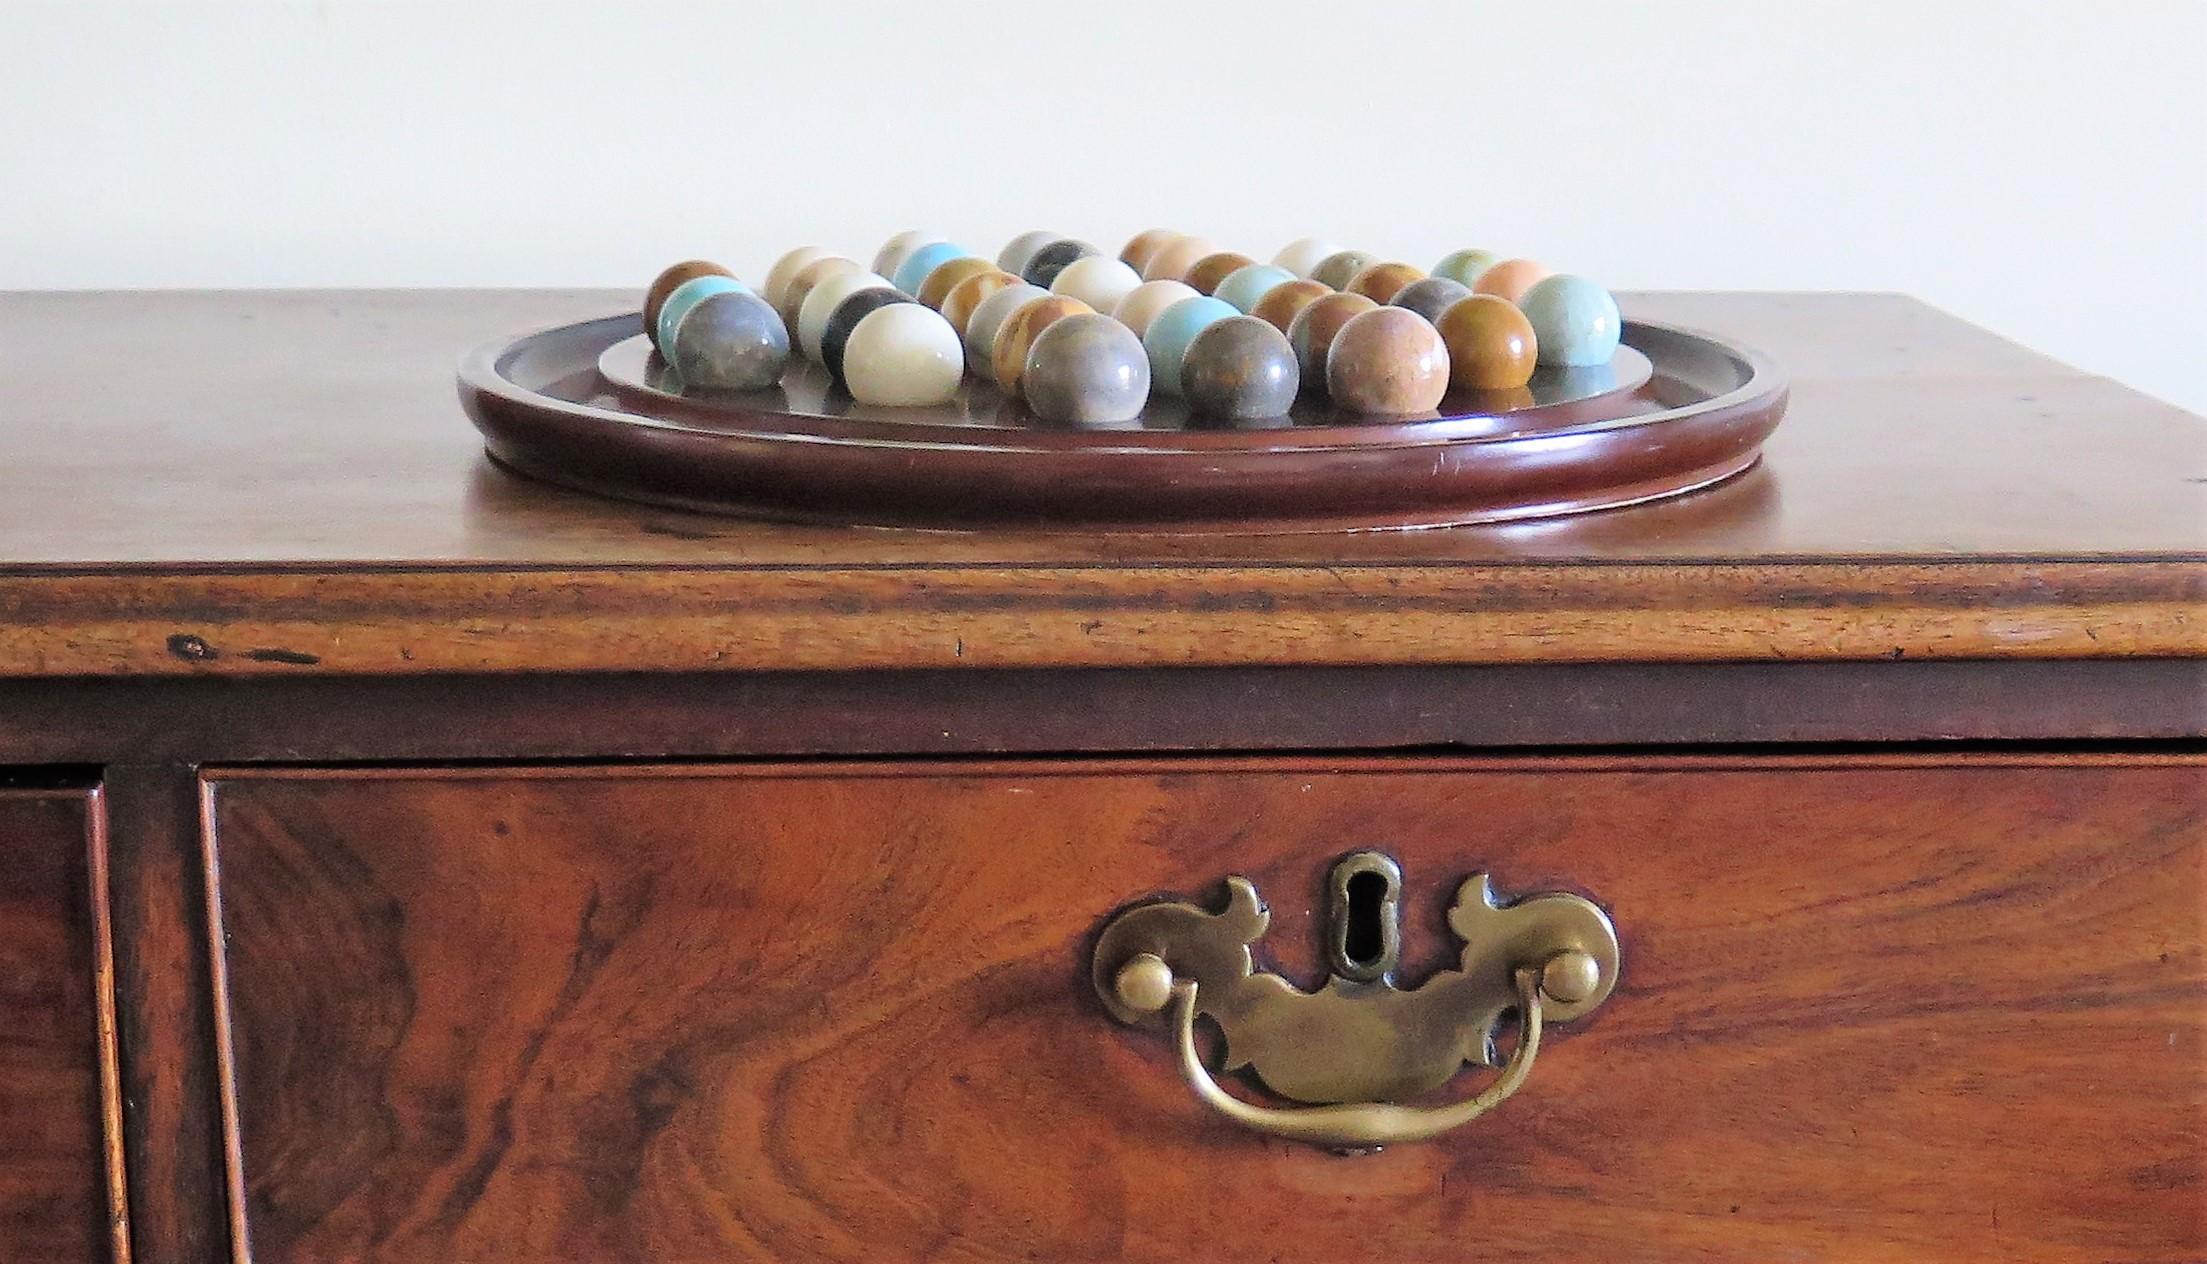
[(1367, 936), (1362, 941)]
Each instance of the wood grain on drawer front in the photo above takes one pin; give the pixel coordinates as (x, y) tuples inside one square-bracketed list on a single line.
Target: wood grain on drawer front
[(1871, 1009), (58, 1204)]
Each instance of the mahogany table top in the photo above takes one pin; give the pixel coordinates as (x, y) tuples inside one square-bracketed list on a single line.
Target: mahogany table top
[(289, 472)]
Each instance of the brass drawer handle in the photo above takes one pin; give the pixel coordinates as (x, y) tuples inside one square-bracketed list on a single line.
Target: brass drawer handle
[(1359, 1044)]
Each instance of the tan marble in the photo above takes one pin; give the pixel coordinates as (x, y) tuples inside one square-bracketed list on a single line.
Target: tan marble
[(1382, 281), (1145, 301), (804, 281), (1207, 272), (791, 262), (1173, 259), (958, 305), (1490, 344), (1281, 303), (1387, 362), (945, 278), (1144, 245)]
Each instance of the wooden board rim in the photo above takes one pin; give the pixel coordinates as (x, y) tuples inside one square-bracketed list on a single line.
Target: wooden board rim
[(1406, 475)]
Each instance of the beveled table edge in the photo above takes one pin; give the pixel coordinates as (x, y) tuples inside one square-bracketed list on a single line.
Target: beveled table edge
[(407, 621)]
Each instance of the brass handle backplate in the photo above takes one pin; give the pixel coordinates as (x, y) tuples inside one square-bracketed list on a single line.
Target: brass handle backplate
[(1358, 1046)]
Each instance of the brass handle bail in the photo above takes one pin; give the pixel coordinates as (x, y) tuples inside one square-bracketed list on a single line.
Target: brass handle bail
[(1146, 983)]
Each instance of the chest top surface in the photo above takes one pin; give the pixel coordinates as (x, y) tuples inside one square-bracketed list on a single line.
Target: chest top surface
[(190, 463)]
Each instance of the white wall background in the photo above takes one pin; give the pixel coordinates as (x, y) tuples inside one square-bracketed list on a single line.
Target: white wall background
[(2038, 167)]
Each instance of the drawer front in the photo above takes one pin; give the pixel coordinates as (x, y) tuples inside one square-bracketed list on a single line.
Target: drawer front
[(1868, 1009), (54, 1058)]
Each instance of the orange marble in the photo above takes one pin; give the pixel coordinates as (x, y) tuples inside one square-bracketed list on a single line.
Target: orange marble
[(1009, 357), (958, 305), (1174, 258), (1510, 278), (1490, 344), (1213, 268), (1280, 303), (1387, 362), (945, 278), (1144, 245), (1382, 281)]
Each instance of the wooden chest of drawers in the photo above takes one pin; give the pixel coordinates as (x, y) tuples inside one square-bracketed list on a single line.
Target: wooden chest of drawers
[(410, 863)]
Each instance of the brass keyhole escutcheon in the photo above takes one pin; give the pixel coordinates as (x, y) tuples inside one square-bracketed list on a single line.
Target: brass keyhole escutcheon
[(1359, 1045), (1365, 917)]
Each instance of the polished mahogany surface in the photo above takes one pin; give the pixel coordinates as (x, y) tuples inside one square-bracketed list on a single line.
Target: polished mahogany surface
[(1871, 1008), (307, 428), (56, 1032)]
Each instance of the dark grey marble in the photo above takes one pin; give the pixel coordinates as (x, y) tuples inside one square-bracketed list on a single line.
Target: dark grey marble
[(1086, 369), (1045, 264), (1431, 296), (731, 342), (835, 336), (1240, 369)]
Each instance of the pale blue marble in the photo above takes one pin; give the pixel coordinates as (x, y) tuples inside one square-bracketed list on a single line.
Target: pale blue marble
[(1244, 286), (926, 259), (686, 296), (1167, 339), (1575, 320)]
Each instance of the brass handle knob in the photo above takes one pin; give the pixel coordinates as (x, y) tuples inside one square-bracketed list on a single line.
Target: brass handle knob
[(1352, 1051)]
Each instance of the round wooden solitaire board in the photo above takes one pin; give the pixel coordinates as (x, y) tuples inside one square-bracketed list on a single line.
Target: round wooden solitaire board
[(591, 406)]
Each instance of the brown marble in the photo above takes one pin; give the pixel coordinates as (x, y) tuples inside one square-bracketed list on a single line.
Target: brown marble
[(1382, 281), (1335, 270), (1008, 358), (1312, 332), (1211, 269), (1490, 344), (946, 277), (665, 283), (1387, 362), (1510, 278), (1239, 369), (805, 280), (1280, 304), (1174, 258), (1144, 246), (966, 295)]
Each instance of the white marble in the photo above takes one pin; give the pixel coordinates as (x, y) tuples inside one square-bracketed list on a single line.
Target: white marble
[(904, 355)]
